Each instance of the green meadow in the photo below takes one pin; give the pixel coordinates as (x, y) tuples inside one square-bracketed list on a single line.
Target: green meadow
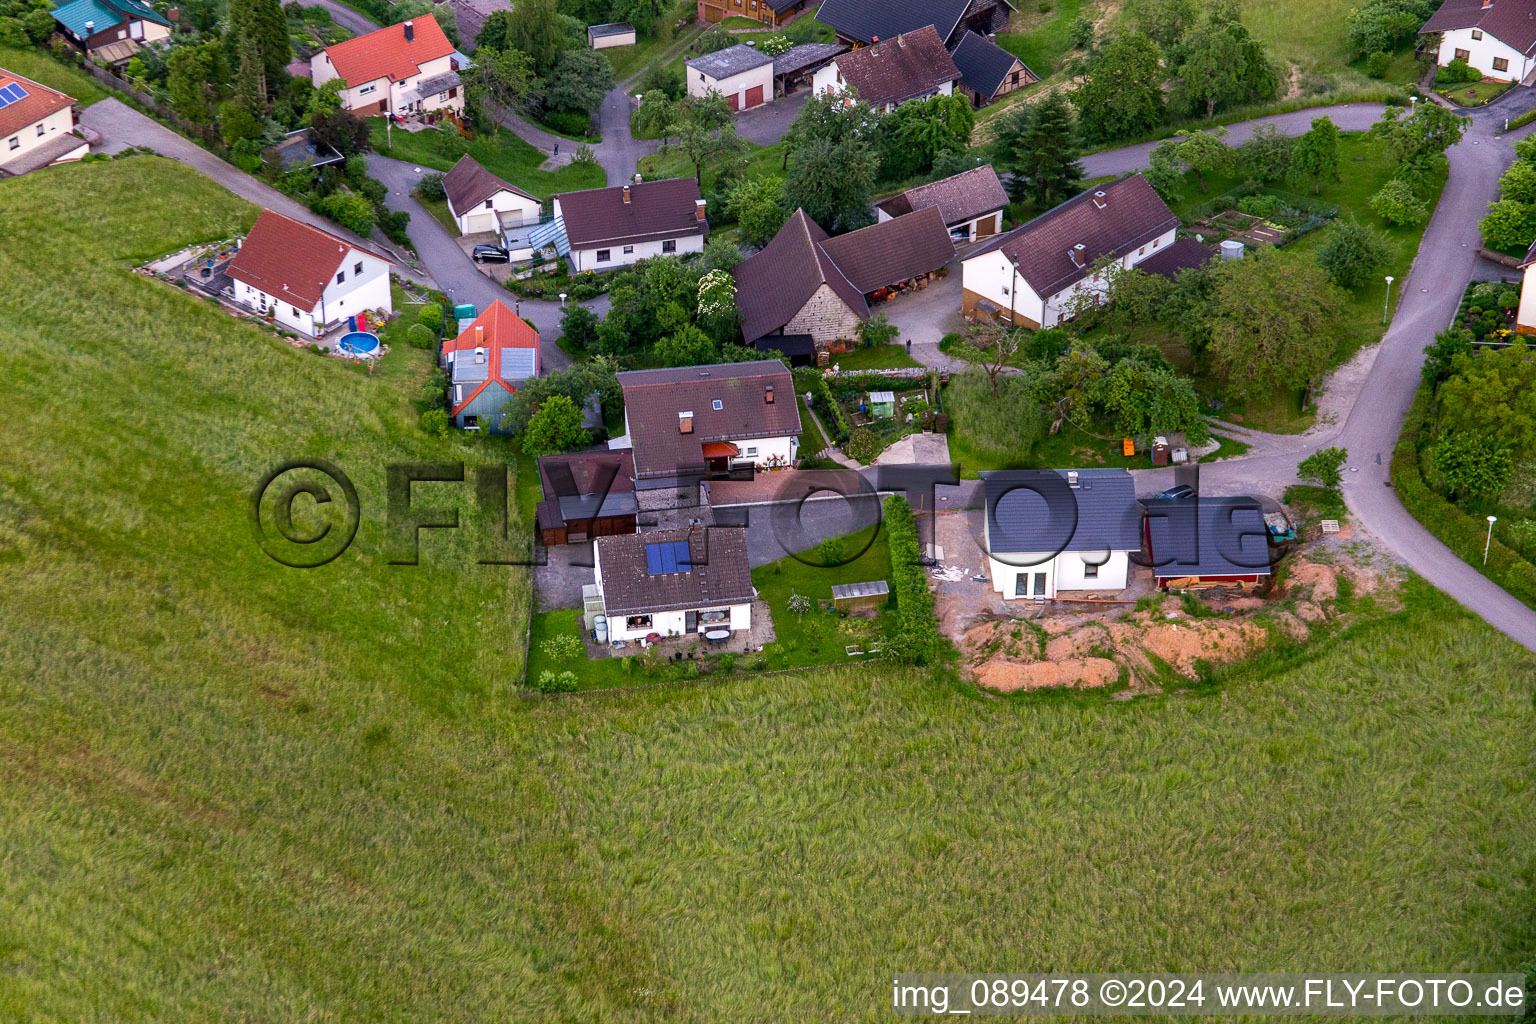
[(230, 790)]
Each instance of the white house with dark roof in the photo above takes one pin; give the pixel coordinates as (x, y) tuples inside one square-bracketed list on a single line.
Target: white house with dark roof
[(1054, 530), (971, 203), (742, 74), (480, 201), (1029, 275), (624, 224), (1497, 37), (674, 582)]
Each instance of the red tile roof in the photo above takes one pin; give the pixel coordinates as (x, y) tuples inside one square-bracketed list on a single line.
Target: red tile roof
[(291, 260), (1109, 220), (39, 102), (495, 330), (387, 54), (895, 70)]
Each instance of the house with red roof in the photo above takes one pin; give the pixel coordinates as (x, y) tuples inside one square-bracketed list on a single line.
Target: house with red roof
[(36, 126), (489, 360), (310, 280), (409, 68)]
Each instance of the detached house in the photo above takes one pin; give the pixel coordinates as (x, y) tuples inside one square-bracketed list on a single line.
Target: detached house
[(309, 280), (988, 71), (403, 69), (479, 201), (111, 30), (1028, 275), (913, 66), (674, 582), (1497, 37), (805, 290), (861, 22), (971, 203), (1055, 530), (489, 360), (621, 225), (742, 74), (690, 422), (36, 126)]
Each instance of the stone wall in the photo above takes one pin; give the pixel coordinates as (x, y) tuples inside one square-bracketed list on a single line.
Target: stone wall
[(824, 317)]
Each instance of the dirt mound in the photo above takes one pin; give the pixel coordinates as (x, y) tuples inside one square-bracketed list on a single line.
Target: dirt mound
[(1323, 580), (1008, 676)]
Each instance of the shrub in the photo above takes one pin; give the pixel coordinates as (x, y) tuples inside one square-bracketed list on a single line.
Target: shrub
[(1397, 204), (1376, 64), (551, 682), (1324, 467), (1456, 72), (420, 336), (394, 223), (863, 445), (1508, 299), (831, 552), (431, 317), (1260, 205), (435, 422), (561, 647), (915, 639), (727, 662), (567, 122), (1351, 253)]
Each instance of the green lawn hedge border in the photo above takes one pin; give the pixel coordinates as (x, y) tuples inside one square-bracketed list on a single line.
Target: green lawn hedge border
[(1458, 531), (916, 638)]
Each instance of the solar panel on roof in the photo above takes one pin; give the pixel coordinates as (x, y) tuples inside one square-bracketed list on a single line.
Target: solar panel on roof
[(662, 559), (10, 93)]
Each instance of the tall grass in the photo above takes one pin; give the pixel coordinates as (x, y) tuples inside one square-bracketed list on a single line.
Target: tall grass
[(232, 791), (998, 431)]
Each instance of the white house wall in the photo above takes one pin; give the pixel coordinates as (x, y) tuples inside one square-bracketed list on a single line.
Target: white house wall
[(1481, 54), (830, 80), (675, 623), (396, 94), (358, 293), (505, 208), (583, 260), (700, 84), (991, 276), (28, 138), (1064, 571)]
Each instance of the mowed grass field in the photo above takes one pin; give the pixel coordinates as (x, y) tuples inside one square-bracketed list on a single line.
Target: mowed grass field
[(235, 791)]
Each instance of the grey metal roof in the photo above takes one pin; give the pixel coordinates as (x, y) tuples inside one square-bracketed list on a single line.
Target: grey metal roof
[(578, 507), (1038, 510), (438, 83), (466, 370), (732, 60), (517, 363), (612, 28), (806, 55), (1200, 536), (847, 590)]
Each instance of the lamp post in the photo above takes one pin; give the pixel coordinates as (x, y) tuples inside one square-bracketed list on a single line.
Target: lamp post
[(1489, 542), (1386, 302), (562, 300)]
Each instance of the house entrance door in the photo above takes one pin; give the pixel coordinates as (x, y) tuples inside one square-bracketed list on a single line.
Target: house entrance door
[(1039, 585)]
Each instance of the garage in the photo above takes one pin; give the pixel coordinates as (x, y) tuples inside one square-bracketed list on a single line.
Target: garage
[(754, 96), (479, 222), (740, 74)]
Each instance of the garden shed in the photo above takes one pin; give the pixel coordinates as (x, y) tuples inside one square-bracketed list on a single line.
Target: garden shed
[(882, 404), (850, 597)]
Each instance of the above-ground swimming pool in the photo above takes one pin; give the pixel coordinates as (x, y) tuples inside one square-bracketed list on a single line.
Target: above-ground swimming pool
[(358, 343)]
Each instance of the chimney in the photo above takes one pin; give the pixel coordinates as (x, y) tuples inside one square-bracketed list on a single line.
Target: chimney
[(637, 179), (698, 209), (410, 31), (626, 195), (479, 335), (873, 41), (685, 422), (90, 29), (901, 41), (1098, 199), (1072, 478), (1075, 255), (768, 395)]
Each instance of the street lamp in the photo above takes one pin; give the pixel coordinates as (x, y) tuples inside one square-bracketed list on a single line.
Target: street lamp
[(562, 300), (1388, 300), (1489, 542)]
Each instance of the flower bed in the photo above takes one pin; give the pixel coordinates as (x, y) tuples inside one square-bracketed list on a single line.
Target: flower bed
[(1488, 310)]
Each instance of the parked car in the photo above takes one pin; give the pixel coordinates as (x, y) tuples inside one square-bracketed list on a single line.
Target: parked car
[(1178, 493), (490, 254)]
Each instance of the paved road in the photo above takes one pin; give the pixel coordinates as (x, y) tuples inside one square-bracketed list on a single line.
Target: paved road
[(455, 272), (122, 127), (619, 153), (346, 17)]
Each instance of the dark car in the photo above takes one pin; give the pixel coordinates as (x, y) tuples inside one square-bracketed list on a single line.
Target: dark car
[(490, 254), (1178, 493)]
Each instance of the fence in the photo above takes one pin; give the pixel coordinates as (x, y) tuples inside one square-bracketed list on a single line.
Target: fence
[(206, 134)]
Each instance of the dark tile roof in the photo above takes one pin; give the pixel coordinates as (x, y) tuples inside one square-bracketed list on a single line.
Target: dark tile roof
[(472, 15), (468, 185), (899, 69), (1181, 255), (719, 573), (732, 60), (985, 66), (1207, 537), (868, 20), (657, 209), (774, 284), (1109, 220), (1511, 22), (959, 198), (807, 55), (1038, 510), (892, 251), (586, 485), (654, 398)]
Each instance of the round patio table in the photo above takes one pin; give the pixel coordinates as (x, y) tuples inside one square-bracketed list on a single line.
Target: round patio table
[(718, 635)]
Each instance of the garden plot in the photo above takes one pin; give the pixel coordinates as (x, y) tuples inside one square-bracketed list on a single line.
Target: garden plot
[(1260, 218)]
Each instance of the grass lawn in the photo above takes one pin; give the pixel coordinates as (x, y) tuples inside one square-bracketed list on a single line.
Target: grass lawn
[(819, 637), (238, 791), (42, 68), (761, 160), (875, 357), (812, 440), (1044, 37), (438, 208), (1475, 94), (502, 153)]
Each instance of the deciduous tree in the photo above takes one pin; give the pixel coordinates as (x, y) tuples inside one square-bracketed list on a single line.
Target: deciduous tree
[(1274, 322), (1315, 157), (1351, 253), (704, 132), (1122, 93), (555, 428)]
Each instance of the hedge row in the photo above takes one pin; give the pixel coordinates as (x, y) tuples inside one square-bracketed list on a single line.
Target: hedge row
[(1463, 534), (917, 633), (832, 415), (874, 380)]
